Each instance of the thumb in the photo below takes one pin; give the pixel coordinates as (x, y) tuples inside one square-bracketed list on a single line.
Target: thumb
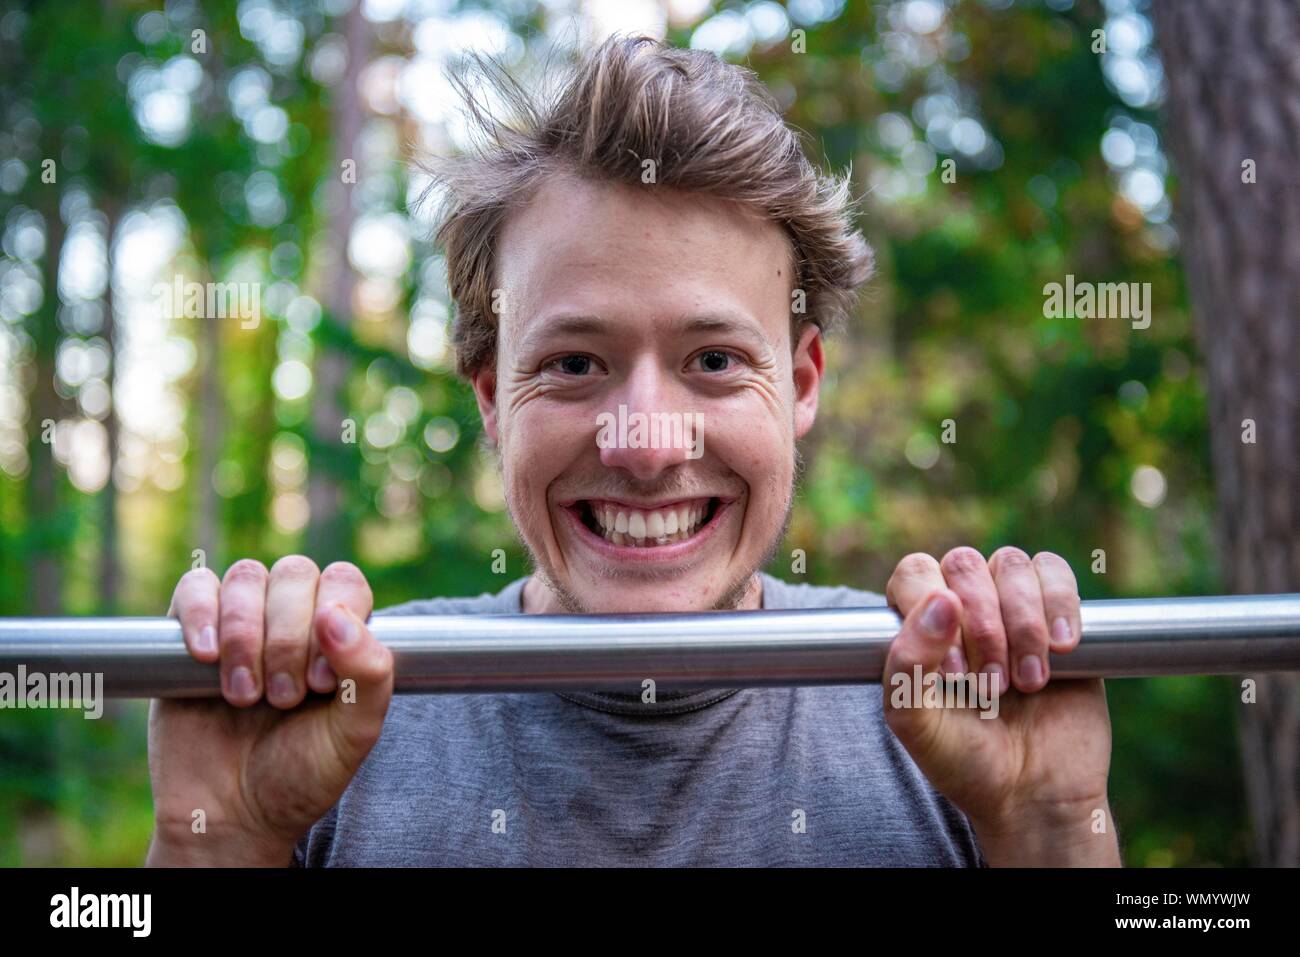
[(364, 667), (929, 632)]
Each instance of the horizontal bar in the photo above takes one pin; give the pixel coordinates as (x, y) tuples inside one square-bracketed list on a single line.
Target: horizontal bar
[(146, 657)]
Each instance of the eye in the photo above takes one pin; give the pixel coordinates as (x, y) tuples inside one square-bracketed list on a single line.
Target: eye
[(715, 360), (574, 364)]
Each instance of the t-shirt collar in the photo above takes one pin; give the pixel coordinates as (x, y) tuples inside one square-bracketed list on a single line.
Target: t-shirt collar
[(622, 702)]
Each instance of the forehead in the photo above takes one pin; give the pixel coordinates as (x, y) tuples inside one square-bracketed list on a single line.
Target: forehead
[(619, 251)]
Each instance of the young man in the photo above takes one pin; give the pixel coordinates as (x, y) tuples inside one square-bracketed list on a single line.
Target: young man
[(653, 241)]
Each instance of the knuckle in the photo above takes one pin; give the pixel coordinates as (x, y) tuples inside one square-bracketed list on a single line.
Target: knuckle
[(1024, 619), (247, 570), (1050, 560), (287, 644), (344, 573), (297, 567), (962, 560), (242, 626), (198, 579), (347, 574), (985, 632), (1010, 558), (916, 565), (375, 667)]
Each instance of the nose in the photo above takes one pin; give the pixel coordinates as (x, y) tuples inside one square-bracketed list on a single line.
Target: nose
[(649, 428)]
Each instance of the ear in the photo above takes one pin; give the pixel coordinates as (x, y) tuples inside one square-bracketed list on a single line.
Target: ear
[(484, 381), (809, 368)]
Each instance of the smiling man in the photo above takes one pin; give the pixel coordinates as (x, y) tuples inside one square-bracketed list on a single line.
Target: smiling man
[(649, 241)]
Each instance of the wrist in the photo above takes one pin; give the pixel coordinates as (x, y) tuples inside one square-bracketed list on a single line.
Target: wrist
[(1077, 834), (216, 847)]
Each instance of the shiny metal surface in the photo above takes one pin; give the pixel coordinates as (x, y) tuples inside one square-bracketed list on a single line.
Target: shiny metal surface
[(145, 657)]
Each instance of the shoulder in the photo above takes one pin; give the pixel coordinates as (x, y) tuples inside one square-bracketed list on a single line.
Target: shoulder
[(783, 594)]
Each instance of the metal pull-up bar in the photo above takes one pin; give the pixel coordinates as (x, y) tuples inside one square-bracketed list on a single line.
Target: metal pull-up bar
[(146, 657)]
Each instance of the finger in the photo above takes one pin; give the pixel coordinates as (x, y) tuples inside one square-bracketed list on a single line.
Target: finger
[(982, 633), (1022, 614), (290, 608), (242, 631), (195, 604), (1060, 601), (340, 583), (915, 579), (929, 632), (365, 672)]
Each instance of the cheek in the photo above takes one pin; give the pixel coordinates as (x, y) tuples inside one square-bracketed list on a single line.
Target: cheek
[(537, 444), (757, 444)]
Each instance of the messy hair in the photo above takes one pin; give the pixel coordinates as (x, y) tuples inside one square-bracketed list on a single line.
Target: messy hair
[(711, 127)]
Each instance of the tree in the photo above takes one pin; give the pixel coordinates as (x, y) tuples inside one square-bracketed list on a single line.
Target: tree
[(326, 534), (1234, 117)]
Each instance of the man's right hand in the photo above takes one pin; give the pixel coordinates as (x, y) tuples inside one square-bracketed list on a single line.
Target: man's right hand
[(264, 762)]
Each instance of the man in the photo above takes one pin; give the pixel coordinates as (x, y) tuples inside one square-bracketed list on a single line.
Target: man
[(652, 241)]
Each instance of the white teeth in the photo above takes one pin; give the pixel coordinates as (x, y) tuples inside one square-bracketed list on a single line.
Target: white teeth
[(645, 528)]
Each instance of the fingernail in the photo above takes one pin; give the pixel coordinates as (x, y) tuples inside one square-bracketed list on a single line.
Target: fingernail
[(320, 671), (954, 663), (343, 629), (937, 617), (241, 683), (1031, 670), (995, 678), (282, 687), (1060, 632), (207, 639)]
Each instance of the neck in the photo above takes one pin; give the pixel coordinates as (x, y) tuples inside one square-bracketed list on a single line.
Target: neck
[(539, 598)]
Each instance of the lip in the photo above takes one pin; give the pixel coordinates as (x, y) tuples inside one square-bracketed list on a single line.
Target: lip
[(648, 506), (660, 554)]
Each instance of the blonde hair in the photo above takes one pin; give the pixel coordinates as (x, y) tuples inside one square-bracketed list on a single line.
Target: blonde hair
[(710, 126)]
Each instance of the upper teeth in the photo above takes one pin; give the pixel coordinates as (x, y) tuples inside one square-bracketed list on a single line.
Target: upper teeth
[(660, 526)]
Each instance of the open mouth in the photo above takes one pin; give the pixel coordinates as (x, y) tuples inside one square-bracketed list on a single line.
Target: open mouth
[(670, 524)]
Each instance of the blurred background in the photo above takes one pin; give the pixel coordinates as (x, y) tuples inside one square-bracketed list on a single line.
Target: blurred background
[(142, 141)]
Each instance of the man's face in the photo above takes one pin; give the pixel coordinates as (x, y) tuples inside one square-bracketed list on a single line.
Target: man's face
[(672, 312)]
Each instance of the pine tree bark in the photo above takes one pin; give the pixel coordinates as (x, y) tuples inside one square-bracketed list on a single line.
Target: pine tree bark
[(1233, 111), (327, 532), (45, 481), (110, 566)]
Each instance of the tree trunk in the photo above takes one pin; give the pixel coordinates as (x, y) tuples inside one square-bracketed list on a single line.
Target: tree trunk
[(45, 523), (1234, 110), (327, 533), (110, 568)]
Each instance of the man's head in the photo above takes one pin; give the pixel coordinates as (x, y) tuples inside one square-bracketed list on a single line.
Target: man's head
[(643, 266)]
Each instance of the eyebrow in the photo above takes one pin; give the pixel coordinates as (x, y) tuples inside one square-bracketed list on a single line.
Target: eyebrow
[(565, 324)]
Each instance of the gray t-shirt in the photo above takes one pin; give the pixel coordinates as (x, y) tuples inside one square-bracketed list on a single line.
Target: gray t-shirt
[(757, 777)]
